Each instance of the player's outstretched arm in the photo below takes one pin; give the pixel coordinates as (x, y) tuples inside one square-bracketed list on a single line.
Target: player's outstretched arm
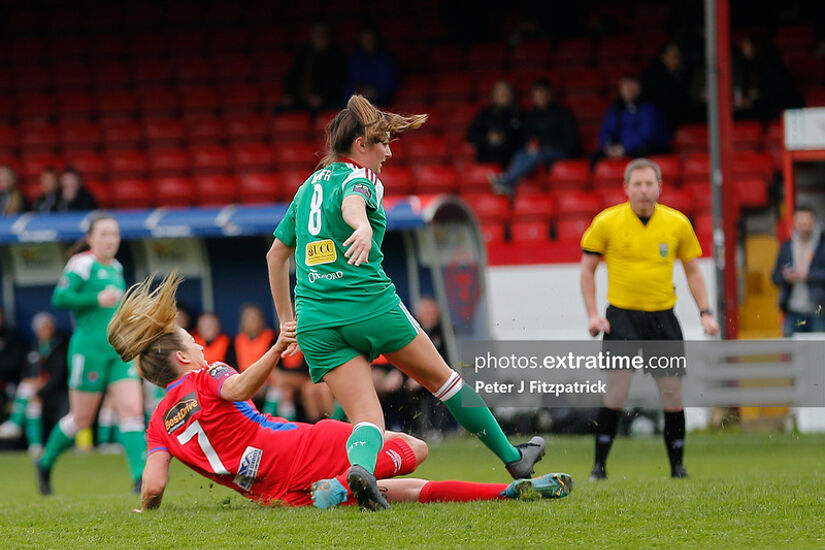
[(595, 322), (155, 475), (243, 386), (696, 283)]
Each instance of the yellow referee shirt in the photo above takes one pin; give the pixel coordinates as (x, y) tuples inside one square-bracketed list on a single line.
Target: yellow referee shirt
[(640, 257)]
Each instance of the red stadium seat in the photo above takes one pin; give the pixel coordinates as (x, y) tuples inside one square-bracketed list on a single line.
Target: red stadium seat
[(117, 104), (163, 132), (247, 127), (489, 208), (492, 233), (132, 194), (530, 231), (533, 207), (80, 135), (293, 126), (671, 168), (425, 149), (491, 55), (91, 165), (571, 230), (240, 97), (216, 190), (122, 134), (752, 164), (76, 104), (9, 139), (570, 174), (101, 191), (154, 72), (259, 188), (531, 53), (696, 168), (580, 80), (703, 226), (42, 106), (751, 192), (575, 52), (199, 99), (747, 136), (475, 177), (165, 163), (289, 182), (127, 163), (615, 49), (456, 86), (252, 157), (414, 89), (205, 129), (193, 71), (397, 180), (588, 108), (611, 196), (609, 172), (234, 68), (295, 156), (679, 199), (435, 178), (573, 203), (112, 75), (174, 191), (459, 117), (447, 58), (159, 101), (208, 160), (72, 76), (691, 138), (38, 138), (33, 165)]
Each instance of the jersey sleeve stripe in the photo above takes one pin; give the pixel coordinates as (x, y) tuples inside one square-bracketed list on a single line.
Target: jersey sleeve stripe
[(225, 378), (156, 449)]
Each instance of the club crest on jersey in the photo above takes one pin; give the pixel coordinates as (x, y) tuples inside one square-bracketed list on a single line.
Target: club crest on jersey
[(663, 250), (248, 468), (320, 252), (180, 412)]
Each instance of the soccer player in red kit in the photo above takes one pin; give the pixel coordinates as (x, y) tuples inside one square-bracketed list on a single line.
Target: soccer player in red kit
[(207, 422)]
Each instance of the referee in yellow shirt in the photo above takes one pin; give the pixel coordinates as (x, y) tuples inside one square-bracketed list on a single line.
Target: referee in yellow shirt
[(639, 241)]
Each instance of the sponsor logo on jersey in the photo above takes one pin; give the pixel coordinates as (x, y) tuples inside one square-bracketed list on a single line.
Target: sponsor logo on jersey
[(219, 370), (320, 252), (248, 468), (180, 412), (314, 276), (363, 189)]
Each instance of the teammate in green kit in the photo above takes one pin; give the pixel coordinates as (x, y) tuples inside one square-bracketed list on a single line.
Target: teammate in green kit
[(347, 310), (91, 287)]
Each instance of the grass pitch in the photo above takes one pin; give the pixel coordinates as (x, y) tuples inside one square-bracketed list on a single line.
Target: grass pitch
[(754, 491)]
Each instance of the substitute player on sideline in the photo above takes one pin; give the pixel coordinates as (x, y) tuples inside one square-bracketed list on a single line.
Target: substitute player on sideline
[(92, 286), (348, 312), (207, 421), (640, 239)]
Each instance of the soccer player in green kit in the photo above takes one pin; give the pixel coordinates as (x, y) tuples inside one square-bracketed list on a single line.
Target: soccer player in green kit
[(91, 287), (347, 310)]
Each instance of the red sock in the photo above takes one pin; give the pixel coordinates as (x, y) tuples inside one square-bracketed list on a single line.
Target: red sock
[(460, 491), (395, 459)]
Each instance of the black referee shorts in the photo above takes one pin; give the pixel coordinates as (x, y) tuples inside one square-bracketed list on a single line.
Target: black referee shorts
[(649, 334)]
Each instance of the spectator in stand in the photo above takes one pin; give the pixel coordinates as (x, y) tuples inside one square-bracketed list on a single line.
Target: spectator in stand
[(49, 199), (496, 130), (766, 85), (665, 83), (373, 72), (73, 194), (317, 76), (12, 356), (800, 274), (43, 387), (632, 127), (217, 346), (551, 134), (11, 200)]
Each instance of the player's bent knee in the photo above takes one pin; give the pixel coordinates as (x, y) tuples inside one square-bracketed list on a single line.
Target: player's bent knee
[(419, 447)]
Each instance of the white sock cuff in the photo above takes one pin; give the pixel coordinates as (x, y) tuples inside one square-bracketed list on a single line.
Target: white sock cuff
[(34, 409), (68, 426), (107, 417), (273, 394), (131, 424), (369, 424), (26, 390), (451, 387)]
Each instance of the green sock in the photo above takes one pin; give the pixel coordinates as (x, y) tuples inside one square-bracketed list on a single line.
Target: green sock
[(18, 411), (364, 445), (116, 435), (273, 398), (472, 413), (134, 443), (104, 433), (338, 412), (34, 423), (59, 441)]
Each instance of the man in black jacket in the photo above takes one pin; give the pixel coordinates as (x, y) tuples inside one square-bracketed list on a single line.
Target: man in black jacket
[(549, 135), (800, 274)]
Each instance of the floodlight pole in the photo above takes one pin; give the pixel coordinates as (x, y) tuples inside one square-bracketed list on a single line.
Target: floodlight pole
[(720, 129)]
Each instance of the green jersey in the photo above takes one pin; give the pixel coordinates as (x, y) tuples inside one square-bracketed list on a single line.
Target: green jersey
[(84, 277), (329, 292)]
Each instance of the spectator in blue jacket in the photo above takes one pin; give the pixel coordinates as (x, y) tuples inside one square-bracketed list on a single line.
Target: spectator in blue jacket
[(800, 274), (373, 71), (632, 127)]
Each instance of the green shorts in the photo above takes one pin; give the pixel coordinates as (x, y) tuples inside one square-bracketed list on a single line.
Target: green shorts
[(327, 348), (93, 371)]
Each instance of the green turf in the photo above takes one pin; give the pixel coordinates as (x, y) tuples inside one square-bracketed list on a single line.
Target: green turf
[(745, 491)]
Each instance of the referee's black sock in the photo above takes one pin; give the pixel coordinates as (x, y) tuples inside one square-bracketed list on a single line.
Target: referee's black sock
[(607, 426), (675, 436)]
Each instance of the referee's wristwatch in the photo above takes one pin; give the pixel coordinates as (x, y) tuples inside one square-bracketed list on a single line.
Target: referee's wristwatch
[(704, 312)]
